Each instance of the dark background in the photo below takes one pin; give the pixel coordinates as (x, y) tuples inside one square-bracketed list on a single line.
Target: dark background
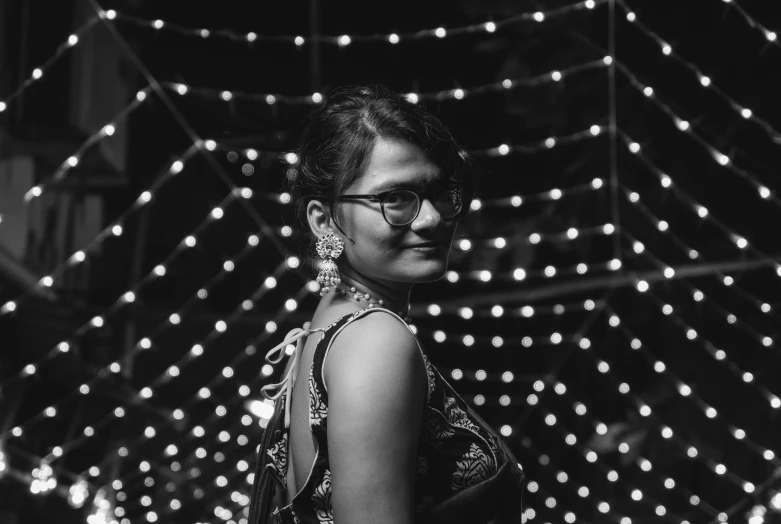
[(578, 387)]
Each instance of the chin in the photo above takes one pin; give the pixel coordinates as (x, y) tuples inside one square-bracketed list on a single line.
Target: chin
[(428, 271)]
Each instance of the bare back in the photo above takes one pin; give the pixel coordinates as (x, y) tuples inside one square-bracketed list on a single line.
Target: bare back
[(301, 453)]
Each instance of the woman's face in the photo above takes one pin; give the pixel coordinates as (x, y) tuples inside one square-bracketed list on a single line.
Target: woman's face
[(388, 253)]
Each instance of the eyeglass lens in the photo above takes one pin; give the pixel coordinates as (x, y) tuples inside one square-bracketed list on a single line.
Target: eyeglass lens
[(401, 206)]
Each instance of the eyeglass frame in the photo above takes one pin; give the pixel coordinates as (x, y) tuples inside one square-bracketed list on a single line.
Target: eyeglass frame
[(380, 197)]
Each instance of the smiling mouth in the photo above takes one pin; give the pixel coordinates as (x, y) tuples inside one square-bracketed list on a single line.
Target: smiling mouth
[(427, 245)]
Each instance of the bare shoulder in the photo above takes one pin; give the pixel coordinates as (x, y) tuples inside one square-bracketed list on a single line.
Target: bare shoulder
[(376, 395), (373, 336), (375, 343)]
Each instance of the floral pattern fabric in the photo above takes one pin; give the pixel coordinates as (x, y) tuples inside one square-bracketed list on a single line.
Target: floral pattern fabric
[(318, 411), (472, 469), (454, 451), (278, 459)]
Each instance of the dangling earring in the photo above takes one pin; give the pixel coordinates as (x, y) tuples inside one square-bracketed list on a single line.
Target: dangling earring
[(329, 247)]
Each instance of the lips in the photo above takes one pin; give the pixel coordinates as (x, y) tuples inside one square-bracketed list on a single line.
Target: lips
[(426, 244)]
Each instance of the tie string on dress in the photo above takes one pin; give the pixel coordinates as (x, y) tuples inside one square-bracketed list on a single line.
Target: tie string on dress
[(285, 386)]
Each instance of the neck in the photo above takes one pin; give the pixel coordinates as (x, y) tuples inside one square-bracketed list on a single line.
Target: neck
[(394, 297)]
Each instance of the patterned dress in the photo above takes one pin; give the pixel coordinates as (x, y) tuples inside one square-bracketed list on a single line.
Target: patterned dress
[(456, 450)]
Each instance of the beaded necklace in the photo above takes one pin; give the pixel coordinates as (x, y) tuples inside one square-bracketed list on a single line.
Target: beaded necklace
[(358, 296)]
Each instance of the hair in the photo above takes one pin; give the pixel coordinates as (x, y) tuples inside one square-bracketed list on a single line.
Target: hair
[(340, 136)]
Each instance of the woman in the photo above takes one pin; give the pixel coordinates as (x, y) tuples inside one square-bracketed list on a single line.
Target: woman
[(372, 433)]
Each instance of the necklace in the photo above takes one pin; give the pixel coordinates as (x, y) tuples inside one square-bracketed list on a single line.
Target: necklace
[(358, 296)]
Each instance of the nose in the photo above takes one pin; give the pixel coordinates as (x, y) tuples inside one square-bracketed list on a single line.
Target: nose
[(428, 217)]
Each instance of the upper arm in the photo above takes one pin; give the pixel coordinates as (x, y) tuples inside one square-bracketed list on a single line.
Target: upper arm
[(376, 395)]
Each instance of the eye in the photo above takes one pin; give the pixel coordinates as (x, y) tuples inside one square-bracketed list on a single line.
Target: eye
[(400, 197), (393, 198)]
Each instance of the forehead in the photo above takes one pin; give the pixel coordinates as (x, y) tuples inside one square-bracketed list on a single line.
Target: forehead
[(398, 161)]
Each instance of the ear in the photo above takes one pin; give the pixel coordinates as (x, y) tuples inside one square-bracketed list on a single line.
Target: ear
[(319, 218)]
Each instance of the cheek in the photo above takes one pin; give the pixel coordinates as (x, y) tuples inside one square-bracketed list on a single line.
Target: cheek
[(386, 241), (382, 243), (374, 238)]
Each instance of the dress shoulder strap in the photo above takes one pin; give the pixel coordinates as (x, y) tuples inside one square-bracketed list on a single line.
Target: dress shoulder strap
[(364, 312)]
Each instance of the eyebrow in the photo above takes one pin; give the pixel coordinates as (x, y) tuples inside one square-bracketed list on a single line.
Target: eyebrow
[(397, 184)]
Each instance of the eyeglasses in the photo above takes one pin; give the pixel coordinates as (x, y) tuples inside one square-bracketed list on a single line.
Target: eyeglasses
[(401, 207)]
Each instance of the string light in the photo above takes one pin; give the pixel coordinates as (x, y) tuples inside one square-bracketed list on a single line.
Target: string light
[(342, 40), (512, 201), (102, 509), (38, 72), (723, 160), (73, 160), (536, 238), (108, 232), (224, 435), (158, 271), (696, 207), (43, 479), (168, 450), (220, 377), (589, 455), (770, 36), (116, 229), (533, 147), (519, 274), (175, 169), (714, 351), (469, 340), (761, 306), (444, 94), (706, 409), (145, 343), (543, 196), (740, 109), (78, 494), (644, 464), (622, 390), (508, 146), (198, 142)]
